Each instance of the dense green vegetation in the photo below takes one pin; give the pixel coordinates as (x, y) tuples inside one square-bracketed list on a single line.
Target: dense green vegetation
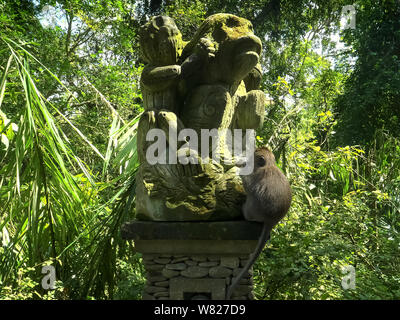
[(69, 101)]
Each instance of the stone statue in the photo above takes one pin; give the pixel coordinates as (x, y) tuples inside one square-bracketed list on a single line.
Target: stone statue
[(210, 82)]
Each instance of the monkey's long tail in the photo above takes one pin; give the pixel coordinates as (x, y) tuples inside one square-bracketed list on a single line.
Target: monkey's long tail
[(260, 245)]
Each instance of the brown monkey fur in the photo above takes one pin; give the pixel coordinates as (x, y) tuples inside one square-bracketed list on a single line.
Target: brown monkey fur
[(268, 200)]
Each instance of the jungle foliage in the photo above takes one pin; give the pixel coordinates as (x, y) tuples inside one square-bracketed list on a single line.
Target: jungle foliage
[(69, 105)]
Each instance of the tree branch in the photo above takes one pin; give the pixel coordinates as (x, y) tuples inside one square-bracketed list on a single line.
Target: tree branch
[(105, 101)]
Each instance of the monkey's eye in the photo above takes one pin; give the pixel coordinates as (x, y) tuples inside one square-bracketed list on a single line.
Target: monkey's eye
[(260, 161)]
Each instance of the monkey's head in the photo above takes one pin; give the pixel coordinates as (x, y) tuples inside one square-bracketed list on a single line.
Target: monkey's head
[(160, 41), (263, 157)]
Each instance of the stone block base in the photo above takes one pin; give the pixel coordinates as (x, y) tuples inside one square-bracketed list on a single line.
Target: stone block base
[(194, 260)]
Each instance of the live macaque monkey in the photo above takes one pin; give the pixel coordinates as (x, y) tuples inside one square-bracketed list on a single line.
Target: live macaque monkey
[(268, 200)]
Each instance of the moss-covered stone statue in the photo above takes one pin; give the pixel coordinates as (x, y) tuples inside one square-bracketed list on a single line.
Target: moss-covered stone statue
[(209, 83)]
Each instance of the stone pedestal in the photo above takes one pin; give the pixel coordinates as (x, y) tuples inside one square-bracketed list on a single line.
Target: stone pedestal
[(194, 260)]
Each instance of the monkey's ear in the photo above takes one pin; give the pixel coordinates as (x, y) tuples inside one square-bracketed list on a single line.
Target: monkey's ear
[(260, 161)]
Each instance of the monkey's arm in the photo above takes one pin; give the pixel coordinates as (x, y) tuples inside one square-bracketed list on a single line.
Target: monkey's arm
[(159, 78)]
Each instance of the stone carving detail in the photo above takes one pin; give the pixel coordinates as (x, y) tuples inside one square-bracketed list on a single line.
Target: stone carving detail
[(170, 277), (210, 82)]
